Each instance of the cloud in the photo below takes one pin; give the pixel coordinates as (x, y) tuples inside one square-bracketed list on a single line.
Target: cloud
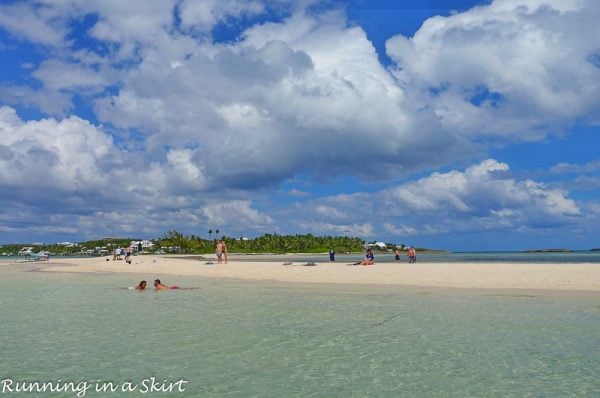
[(71, 172), (188, 127), (511, 70), (330, 212), (52, 154), (483, 197), (563, 167), (128, 26), (482, 190), (298, 193), (51, 102), (401, 230), (316, 100), (203, 16), (338, 229), (307, 94), (586, 183), (38, 23), (237, 215), (58, 75)]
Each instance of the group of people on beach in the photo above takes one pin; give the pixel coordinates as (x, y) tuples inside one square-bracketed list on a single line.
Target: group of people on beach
[(410, 252), (412, 255), (158, 285), (118, 252), (370, 258)]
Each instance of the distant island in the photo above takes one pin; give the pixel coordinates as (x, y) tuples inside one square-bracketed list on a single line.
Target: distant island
[(547, 251)]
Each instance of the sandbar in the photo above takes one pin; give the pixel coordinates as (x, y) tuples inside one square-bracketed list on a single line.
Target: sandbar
[(525, 276)]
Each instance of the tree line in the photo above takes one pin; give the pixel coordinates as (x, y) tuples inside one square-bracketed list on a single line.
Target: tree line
[(267, 243), (177, 242)]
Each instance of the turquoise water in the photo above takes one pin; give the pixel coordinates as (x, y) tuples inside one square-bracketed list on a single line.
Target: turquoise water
[(241, 339), (469, 257), (587, 256)]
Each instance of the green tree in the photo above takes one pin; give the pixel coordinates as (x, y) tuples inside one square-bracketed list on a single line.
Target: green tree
[(177, 240)]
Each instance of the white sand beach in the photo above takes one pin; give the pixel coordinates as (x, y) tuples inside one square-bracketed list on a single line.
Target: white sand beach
[(572, 277)]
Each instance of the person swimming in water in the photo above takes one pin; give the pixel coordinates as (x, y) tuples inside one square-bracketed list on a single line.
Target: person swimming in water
[(141, 286), (158, 285)]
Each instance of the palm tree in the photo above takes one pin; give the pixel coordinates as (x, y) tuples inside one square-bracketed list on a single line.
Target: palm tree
[(210, 233)]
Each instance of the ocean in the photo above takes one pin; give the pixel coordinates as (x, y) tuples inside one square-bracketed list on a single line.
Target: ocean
[(583, 256), (223, 338), (587, 256)]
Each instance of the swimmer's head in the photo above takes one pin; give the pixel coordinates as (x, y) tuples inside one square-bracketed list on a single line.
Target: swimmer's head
[(156, 282)]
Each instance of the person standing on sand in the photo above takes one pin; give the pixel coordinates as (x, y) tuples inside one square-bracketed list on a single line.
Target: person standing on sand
[(331, 255), (219, 251), (128, 255), (224, 248), (397, 253), (412, 255)]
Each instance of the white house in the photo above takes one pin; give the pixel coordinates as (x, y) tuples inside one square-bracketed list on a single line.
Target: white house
[(376, 245), (146, 244)]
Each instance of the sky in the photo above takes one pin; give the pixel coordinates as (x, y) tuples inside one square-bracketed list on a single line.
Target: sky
[(456, 125)]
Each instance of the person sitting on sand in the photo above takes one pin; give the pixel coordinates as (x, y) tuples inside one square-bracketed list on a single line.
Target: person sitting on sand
[(369, 258), (141, 286), (158, 285)]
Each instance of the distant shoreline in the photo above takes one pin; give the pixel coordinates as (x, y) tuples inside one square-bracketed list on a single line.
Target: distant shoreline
[(547, 251)]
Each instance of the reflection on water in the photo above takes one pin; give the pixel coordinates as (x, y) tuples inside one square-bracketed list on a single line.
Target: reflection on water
[(272, 340)]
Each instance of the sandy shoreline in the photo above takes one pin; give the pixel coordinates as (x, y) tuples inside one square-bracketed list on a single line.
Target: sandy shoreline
[(530, 276)]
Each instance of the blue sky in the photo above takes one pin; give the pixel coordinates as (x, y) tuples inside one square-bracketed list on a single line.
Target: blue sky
[(465, 125)]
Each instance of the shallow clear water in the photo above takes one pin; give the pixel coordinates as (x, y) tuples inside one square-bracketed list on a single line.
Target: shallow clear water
[(241, 339)]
